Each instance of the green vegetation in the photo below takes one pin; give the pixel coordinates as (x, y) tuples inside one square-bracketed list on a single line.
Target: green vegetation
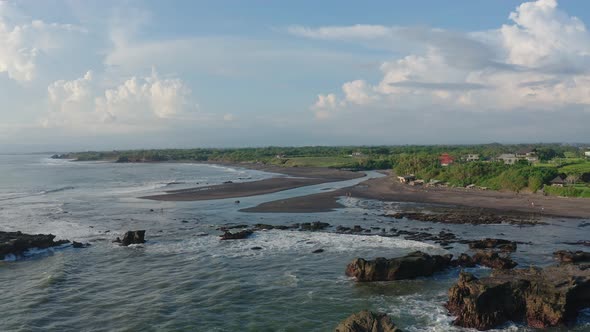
[(421, 160)]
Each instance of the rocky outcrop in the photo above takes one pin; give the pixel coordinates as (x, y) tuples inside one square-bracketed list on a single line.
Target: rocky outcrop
[(367, 321), (238, 235), (132, 237), (413, 265), (313, 226), (539, 297), (16, 243), (565, 256), (462, 218), (488, 243), (485, 258)]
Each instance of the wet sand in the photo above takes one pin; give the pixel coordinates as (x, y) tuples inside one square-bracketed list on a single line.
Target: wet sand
[(387, 189), (294, 178)]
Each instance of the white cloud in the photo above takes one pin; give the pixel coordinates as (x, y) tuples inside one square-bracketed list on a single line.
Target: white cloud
[(22, 42), (539, 62), (82, 103)]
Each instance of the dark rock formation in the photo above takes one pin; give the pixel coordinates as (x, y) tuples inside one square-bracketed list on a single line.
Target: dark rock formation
[(488, 243), (132, 237), (539, 297), (237, 236), (413, 265), (367, 321), (16, 243), (256, 248), (463, 218), (493, 260), (565, 256), (313, 226), (317, 251), (80, 244), (484, 258)]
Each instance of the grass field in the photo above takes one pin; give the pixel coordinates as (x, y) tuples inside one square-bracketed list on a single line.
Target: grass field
[(578, 168), (332, 162)]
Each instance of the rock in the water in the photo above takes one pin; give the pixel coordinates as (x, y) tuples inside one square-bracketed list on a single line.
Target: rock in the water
[(16, 243), (565, 256), (493, 260), (317, 251), (314, 226), (132, 237), (413, 265), (540, 297), (504, 245), (256, 248), (237, 236), (80, 244), (367, 321)]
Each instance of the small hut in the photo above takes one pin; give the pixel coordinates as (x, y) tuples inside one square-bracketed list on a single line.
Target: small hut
[(558, 181)]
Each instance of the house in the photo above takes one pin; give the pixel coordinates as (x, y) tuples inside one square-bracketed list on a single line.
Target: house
[(558, 181), (357, 154), (446, 159), (508, 158), (587, 154), (280, 156), (471, 157), (406, 178), (528, 154)]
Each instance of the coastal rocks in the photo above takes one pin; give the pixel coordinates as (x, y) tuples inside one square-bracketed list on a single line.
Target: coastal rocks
[(462, 218), (539, 297), (484, 258), (565, 256), (367, 321), (488, 243), (80, 244), (132, 237), (237, 236), (313, 226), (16, 243), (413, 265)]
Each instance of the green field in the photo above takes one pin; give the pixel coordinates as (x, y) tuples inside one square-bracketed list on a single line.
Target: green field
[(331, 162), (577, 168)]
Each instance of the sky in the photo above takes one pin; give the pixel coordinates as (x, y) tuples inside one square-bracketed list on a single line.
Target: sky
[(100, 75)]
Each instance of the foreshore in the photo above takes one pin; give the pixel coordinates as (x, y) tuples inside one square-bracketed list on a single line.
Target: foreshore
[(294, 177), (387, 189), (382, 189)]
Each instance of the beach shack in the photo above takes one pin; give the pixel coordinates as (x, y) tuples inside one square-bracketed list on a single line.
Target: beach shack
[(558, 181)]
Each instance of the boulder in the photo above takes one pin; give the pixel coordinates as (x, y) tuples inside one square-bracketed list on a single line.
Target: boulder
[(80, 244), (132, 237), (504, 245), (565, 256), (16, 243), (314, 226), (493, 260), (539, 297), (413, 265), (367, 321), (237, 236)]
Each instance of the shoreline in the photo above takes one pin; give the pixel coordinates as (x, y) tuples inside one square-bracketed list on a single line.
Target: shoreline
[(386, 189), (291, 178)]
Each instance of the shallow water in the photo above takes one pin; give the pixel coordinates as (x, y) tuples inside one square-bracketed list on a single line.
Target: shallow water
[(182, 281)]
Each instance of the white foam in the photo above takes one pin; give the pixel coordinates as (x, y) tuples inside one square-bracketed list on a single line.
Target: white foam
[(280, 242)]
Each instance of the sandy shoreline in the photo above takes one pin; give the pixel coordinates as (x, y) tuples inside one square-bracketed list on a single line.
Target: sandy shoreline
[(294, 178), (387, 189), (383, 189)]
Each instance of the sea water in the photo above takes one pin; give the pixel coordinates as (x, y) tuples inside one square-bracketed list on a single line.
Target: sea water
[(185, 279)]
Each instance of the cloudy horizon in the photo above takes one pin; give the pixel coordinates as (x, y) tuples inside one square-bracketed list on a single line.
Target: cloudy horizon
[(148, 74)]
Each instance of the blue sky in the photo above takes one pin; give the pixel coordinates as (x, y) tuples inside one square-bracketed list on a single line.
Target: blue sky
[(133, 74)]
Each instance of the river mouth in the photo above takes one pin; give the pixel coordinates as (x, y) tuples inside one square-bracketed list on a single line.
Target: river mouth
[(182, 279)]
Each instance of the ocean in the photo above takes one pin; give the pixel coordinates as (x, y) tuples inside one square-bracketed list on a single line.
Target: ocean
[(185, 279)]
